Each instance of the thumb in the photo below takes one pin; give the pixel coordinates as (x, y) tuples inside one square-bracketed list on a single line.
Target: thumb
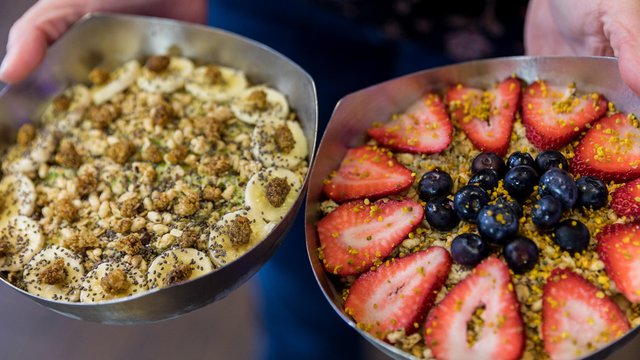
[(23, 56), (621, 25)]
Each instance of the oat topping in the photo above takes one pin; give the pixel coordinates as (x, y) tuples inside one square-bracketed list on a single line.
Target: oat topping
[(61, 103), (152, 153), (67, 155), (188, 203), (99, 76), (66, 210), (86, 184), (26, 134), (130, 244), (162, 114), (102, 116), (115, 282), (239, 231), (55, 273), (130, 206), (277, 191), (158, 63), (81, 241), (121, 151)]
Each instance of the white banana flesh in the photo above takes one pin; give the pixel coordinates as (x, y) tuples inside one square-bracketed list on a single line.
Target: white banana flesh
[(279, 143), (247, 107), (119, 80), (231, 82), (20, 239), (234, 234), (25, 161), (112, 280), (270, 193), (55, 273), (18, 196), (176, 266), (169, 80)]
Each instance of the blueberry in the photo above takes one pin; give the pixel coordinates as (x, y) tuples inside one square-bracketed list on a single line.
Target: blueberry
[(559, 184), (440, 214), (468, 249), (488, 160), (521, 254), (571, 235), (519, 158), (468, 202), (546, 213), (512, 204), (549, 159), (592, 192), (497, 224), (520, 181), (434, 183), (486, 178)]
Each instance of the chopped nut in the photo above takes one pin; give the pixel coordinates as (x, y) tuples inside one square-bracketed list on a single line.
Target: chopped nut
[(178, 274), (130, 207), (214, 75), (81, 241), (99, 76), (121, 151), (188, 239), (158, 63), (66, 210), (239, 231), (162, 114), (86, 184), (123, 225), (147, 173), (130, 244), (277, 190), (26, 134), (67, 155), (61, 103), (257, 100), (222, 114), (161, 201), (102, 116), (115, 282), (208, 127), (177, 154), (188, 204), (152, 154), (284, 139), (54, 274), (211, 193)]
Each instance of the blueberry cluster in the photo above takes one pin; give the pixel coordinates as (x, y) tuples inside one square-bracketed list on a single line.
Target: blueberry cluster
[(498, 221)]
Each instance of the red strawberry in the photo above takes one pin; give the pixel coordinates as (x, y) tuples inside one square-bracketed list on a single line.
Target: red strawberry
[(619, 249), (554, 115), (626, 199), (501, 337), (398, 294), (577, 318), (367, 172), (486, 116), (356, 235), (424, 128), (610, 150)]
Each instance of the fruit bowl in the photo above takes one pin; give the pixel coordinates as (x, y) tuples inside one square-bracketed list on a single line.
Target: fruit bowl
[(357, 112), (110, 40)]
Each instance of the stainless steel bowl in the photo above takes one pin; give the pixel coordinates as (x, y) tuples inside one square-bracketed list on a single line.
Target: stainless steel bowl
[(109, 40), (355, 113)]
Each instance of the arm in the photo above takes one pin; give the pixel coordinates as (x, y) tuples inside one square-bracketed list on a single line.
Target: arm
[(47, 20), (587, 27)]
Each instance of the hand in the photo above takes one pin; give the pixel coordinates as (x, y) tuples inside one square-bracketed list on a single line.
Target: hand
[(587, 27), (47, 20)]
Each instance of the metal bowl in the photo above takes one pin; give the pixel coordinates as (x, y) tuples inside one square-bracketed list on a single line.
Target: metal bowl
[(355, 113), (110, 40)]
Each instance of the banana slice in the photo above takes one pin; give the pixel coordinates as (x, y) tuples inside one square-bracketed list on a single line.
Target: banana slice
[(216, 83), (55, 273), (260, 103), (20, 239), (112, 280), (279, 143), (19, 160), (176, 266), (68, 107), (119, 80), (270, 193), (234, 234), (17, 196), (168, 80)]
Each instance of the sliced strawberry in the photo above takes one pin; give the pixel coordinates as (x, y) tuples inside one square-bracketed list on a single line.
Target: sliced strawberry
[(577, 318), (619, 249), (501, 336), (355, 235), (367, 172), (625, 201), (424, 128), (554, 115), (610, 150), (398, 294), (486, 116)]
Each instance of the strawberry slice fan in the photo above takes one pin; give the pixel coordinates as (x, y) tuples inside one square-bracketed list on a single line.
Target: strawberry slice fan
[(486, 116), (554, 115)]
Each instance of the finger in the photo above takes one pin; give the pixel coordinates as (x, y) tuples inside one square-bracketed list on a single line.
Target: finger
[(541, 34), (621, 25), (23, 57)]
